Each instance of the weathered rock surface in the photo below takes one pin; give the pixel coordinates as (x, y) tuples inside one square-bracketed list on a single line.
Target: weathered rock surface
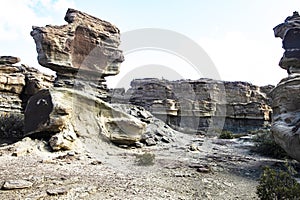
[(286, 96), (156, 130), (17, 84), (16, 184), (70, 113), (82, 52), (9, 60), (289, 32), (198, 105)]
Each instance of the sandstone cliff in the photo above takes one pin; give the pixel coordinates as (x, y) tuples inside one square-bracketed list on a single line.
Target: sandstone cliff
[(286, 96), (201, 105)]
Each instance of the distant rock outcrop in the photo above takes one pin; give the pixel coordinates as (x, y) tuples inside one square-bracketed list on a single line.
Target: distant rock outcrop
[(286, 95), (200, 105)]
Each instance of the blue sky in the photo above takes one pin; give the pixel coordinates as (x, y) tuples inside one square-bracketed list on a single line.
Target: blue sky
[(236, 34)]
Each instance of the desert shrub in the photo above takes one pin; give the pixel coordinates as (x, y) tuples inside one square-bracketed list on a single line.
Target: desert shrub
[(278, 184), (145, 159), (11, 125), (226, 135), (264, 144)]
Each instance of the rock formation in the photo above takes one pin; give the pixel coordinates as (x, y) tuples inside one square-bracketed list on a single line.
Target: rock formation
[(73, 109), (17, 84), (286, 96), (199, 105), (82, 53)]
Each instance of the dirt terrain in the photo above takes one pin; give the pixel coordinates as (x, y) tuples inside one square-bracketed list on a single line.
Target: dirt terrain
[(192, 167)]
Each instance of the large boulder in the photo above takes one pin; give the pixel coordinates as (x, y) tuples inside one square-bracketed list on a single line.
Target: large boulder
[(67, 114), (286, 96)]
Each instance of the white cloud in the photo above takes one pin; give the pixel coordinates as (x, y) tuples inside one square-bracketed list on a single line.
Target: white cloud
[(238, 57), (17, 18)]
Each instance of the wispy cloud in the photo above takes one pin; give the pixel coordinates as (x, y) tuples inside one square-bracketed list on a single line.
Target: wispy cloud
[(17, 16)]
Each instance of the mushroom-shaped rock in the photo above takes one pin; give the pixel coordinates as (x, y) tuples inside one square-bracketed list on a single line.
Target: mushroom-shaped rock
[(285, 96)]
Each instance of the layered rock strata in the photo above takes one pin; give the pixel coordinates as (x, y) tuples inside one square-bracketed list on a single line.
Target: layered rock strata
[(199, 105), (82, 53), (286, 96), (17, 84)]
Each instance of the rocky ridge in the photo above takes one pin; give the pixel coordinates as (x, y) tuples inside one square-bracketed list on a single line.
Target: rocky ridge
[(201, 105)]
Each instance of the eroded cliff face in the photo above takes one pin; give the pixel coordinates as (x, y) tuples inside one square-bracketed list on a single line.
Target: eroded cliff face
[(201, 105), (286, 96)]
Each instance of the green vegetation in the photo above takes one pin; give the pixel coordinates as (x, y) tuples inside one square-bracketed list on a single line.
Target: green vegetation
[(11, 125), (226, 135), (277, 185), (145, 159), (266, 145)]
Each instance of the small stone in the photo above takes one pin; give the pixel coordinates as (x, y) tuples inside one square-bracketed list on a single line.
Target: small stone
[(150, 142), (193, 147), (196, 165), (159, 133), (71, 153), (96, 162), (124, 146), (57, 191), (89, 156), (16, 184), (139, 144), (203, 170), (166, 139), (182, 175)]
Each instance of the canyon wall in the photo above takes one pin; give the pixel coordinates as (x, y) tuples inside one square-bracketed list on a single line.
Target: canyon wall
[(201, 105)]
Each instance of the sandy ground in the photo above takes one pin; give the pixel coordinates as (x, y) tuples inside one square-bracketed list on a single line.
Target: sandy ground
[(192, 167)]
